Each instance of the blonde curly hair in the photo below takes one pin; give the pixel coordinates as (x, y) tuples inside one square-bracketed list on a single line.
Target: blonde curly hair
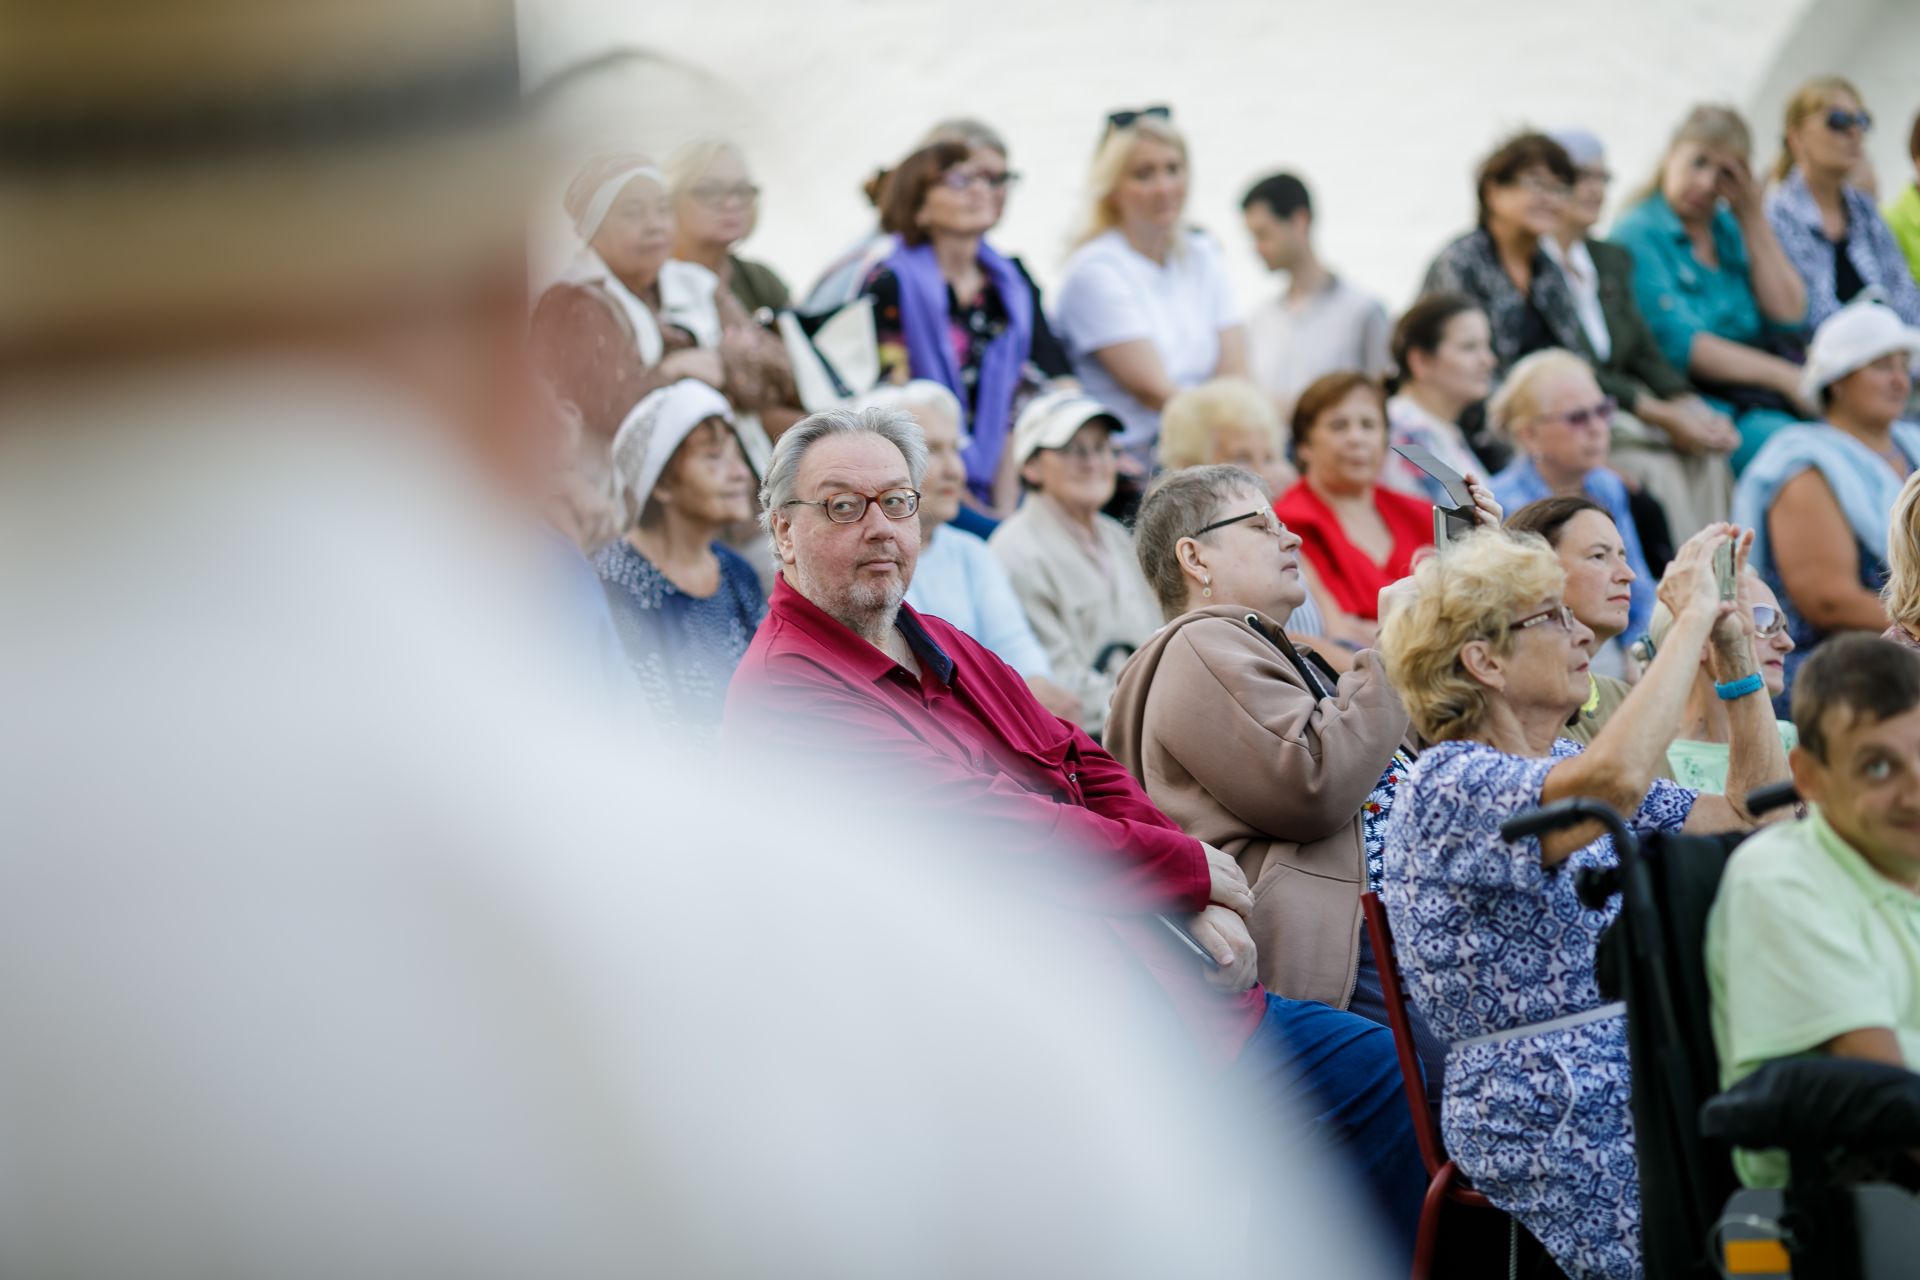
[(1470, 592)]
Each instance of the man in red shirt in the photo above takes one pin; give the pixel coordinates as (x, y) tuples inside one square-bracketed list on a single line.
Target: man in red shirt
[(842, 668)]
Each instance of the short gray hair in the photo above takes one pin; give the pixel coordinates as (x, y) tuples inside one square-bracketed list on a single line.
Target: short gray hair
[(892, 424), (1172, 510)]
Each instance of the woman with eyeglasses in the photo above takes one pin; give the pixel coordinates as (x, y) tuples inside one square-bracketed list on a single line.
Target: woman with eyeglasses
[(1502, 263), (1724, 303), (1073, 567), (1145, 305), (1257, 746), (1357, 535), (1560, 424), (951, 309), (1496, 948), (1830, 230), (1698, 755), (717, 205)]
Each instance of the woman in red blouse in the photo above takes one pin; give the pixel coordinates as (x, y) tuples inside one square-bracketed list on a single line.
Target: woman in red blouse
[(1358, 535)]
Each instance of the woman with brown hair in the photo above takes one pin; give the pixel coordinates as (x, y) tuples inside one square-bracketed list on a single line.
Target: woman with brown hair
[(1358, 535), (1502, 264), (1831, 232), (951, 309)]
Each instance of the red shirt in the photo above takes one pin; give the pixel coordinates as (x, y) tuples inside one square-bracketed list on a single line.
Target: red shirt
[(969, 739), (1352, 576)]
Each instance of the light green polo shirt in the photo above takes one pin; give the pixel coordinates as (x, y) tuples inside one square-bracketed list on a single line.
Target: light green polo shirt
[(1807, 941)]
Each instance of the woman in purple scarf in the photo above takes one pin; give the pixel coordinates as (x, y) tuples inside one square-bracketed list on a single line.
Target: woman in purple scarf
[(949, 308)]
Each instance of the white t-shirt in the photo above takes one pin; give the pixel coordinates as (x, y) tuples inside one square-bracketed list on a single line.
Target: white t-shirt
[(1110, 293)]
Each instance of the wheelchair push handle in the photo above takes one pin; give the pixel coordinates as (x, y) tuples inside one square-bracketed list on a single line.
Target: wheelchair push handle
[(1562, 814), (1773, 796), (1594, 884)]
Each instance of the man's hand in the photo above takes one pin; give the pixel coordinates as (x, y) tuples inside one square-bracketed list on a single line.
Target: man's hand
[(1229, 882), (1226, 939)]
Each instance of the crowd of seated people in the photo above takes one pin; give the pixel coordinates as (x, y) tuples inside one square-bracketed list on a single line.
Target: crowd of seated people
[(1143, 577)]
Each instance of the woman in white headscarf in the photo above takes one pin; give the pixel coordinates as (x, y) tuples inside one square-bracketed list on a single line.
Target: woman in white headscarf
[(626, 318), (684, 603)]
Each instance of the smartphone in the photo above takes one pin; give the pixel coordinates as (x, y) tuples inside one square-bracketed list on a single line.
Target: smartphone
[(1723, 571), (1192, 943), (1452, 522)]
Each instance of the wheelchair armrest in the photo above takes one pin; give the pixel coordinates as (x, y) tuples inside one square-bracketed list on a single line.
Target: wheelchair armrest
[(1819, 1103)]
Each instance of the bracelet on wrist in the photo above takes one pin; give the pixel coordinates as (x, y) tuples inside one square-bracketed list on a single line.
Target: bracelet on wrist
[(1732, 689)]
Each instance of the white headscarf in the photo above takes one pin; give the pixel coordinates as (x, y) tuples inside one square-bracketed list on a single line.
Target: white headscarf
[(650, 433)]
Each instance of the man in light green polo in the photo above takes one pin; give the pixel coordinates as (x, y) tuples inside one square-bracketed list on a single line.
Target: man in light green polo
[(1814, 942)]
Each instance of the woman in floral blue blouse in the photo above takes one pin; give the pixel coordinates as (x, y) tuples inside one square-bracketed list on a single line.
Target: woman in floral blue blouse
[(1497, 950)]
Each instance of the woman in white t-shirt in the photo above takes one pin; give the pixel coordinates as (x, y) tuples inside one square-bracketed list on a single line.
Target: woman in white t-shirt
[(1144, 305)]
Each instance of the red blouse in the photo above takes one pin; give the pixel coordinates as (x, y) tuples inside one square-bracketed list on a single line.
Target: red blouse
[(1348, 573)]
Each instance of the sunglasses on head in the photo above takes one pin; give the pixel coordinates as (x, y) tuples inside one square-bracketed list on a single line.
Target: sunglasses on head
[(1123, 119), (1842, 121)]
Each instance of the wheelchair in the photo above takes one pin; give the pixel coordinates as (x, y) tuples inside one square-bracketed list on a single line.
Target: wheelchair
[(1834, 1117)]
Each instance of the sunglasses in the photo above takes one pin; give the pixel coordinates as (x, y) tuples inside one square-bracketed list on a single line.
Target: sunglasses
[(1123, 119), (1768, 621), (1594, 415), (1845, 121)]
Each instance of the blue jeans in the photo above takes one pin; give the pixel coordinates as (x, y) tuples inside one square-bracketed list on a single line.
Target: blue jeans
[(1340, 1071)]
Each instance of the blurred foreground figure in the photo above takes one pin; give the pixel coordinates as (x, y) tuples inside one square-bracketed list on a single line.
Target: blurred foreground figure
[(337, 937)]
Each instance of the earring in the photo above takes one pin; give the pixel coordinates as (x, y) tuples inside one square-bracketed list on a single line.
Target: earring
[(1206, 587)]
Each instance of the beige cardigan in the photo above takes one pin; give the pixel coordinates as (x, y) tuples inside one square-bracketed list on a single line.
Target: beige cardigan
[(1229, 742), (1077, 607)]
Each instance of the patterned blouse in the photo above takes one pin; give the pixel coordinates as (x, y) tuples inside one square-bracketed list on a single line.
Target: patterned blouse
[(1869, 248), (1491, 941), (683, 648), (1522, 323)]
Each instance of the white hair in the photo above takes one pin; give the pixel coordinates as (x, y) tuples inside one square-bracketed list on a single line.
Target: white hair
[(892, 424), (914, 396)]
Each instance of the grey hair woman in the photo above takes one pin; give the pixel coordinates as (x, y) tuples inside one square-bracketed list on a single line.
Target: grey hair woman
[(1256, 746)]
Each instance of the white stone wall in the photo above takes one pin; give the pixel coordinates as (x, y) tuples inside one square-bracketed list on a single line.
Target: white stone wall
[(1384, 106)]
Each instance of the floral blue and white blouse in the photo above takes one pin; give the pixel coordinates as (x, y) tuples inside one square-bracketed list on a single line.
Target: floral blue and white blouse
[(1490, 941), (1870, 247)]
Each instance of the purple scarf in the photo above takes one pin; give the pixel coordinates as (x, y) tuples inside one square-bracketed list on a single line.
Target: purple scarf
[(927, 326)]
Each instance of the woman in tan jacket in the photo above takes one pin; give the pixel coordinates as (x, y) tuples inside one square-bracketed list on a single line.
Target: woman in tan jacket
[(1256, 747)]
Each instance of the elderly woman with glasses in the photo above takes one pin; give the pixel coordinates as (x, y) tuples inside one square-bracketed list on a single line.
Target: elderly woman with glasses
[(1552, 409), (1699, 755), (717, 205), (950, 309), (1256, 746), (1074, 568), (1495, 945)]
